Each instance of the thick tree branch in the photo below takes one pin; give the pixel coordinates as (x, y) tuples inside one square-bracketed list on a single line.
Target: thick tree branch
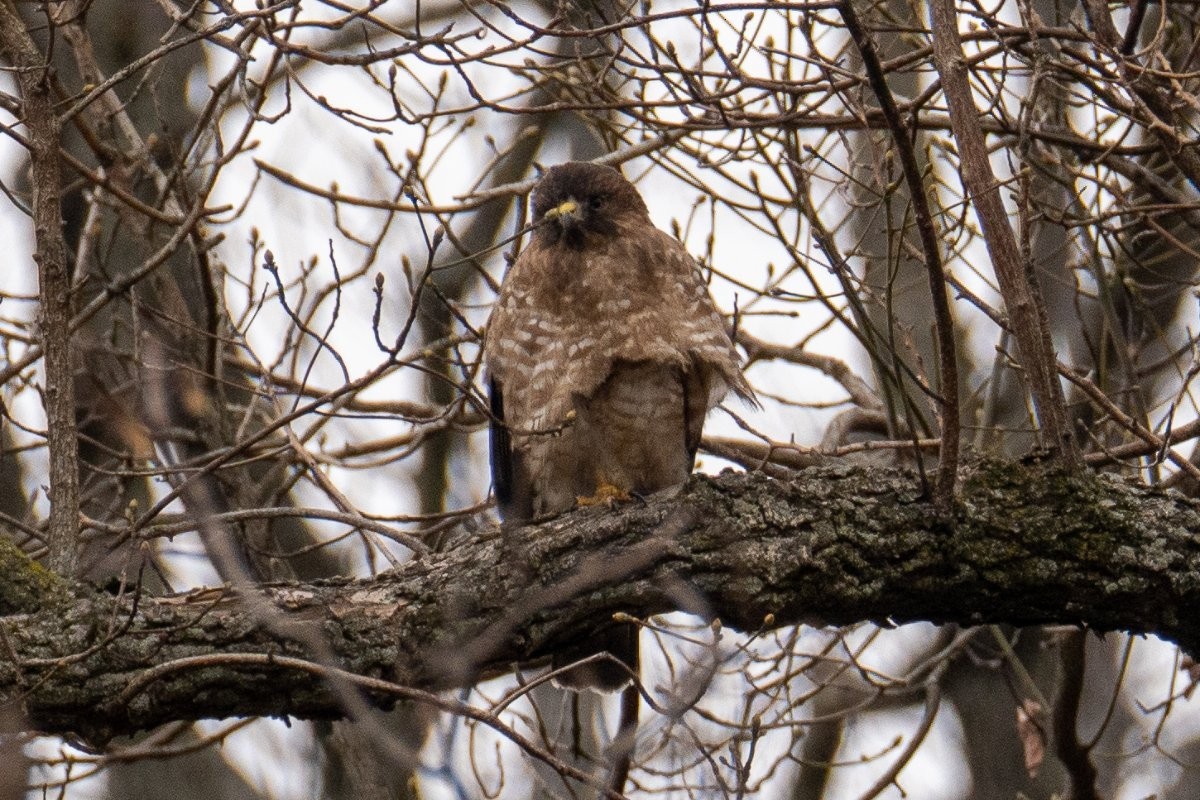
[(1027, 544)]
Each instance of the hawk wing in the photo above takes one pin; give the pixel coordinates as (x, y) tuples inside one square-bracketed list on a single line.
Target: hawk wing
[(695, 408), (511, 484)]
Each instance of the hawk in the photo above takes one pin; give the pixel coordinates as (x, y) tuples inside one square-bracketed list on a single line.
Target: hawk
[(604, 353)]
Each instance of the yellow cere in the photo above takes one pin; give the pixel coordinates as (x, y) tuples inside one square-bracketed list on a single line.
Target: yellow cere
[(565, 207)]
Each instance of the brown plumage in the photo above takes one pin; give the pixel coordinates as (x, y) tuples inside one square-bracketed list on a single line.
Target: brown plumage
[(604, 353)]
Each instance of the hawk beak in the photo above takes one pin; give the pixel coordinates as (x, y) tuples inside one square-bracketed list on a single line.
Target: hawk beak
[(566, 208)]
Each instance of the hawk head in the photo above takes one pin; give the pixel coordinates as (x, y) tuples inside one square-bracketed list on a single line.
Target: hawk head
[(577, 200)]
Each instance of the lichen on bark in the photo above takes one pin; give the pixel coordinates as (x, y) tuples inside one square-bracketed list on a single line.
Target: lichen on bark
[(25, 585)]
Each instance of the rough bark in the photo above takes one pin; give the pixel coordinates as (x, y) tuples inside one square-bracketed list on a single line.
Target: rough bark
[(1027, 543)]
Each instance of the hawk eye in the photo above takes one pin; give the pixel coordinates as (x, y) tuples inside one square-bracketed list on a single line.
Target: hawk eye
[(595, 201)]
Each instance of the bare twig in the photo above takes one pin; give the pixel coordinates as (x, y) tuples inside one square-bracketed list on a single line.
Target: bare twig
[(951, 425)]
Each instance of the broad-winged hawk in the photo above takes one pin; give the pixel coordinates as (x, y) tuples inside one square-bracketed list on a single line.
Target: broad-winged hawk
[(604, 353)]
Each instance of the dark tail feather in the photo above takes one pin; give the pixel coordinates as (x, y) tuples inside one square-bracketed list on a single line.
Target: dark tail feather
[(620, 753), (605, 675), (611, 674)]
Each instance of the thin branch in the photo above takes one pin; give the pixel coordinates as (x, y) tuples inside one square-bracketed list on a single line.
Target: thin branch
[(947, 397), (54, 286), (1018, 286), (1073, 753)]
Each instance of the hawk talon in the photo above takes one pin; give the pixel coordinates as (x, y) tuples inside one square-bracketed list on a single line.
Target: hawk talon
[(606, 495)]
